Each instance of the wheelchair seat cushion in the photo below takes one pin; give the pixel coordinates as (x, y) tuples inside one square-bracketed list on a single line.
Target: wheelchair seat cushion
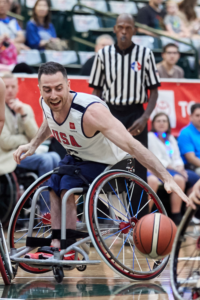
[(90, 170)]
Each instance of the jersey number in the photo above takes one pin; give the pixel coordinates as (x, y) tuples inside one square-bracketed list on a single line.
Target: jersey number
[(62, 138)]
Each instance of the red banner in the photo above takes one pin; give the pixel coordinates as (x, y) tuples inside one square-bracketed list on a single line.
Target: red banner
[(175, 98)]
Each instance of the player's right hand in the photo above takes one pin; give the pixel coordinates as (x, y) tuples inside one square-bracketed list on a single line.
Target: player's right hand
[(171, 186), (22, 152)]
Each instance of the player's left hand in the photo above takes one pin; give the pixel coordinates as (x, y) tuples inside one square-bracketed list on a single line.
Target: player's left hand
[(172, 187), (138, 126)]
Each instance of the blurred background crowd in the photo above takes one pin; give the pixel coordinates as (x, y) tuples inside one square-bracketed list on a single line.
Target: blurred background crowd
[(71, 31)]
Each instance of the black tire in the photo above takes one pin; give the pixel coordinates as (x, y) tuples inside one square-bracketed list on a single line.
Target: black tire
[(184, 269)]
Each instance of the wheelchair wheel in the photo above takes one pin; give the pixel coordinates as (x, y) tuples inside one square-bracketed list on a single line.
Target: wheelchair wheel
[(112, 233), (5, 264), (19, 222), (8, 196), (185, 259)]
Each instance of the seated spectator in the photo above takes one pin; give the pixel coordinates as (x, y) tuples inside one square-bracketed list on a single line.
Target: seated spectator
[(19, 128), (167, 68), (189, 140), (188, 15), (102, 41), (164, 146), (40, 32), (173, 23), (151, 15), (9, 28)]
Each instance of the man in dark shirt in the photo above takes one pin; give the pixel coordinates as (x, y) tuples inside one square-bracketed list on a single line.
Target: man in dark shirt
[(102, 41), (151, 15)]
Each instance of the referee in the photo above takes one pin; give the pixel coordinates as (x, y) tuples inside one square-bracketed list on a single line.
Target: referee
[(121, 75)]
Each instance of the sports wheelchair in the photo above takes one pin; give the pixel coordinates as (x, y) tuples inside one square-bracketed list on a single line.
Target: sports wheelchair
[(185, 258), (110, 229)]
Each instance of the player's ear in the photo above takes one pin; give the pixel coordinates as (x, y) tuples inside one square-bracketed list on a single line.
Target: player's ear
[(68, 82)]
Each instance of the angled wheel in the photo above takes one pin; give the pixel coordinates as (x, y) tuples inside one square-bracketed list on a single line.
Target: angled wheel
[(5, 264), (185, 260), (111, 229)]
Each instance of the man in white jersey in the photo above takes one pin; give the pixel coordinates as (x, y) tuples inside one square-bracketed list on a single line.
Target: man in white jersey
[(83, 124)]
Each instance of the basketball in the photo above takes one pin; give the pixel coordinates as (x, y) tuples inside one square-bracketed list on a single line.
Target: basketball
[(154, 235)]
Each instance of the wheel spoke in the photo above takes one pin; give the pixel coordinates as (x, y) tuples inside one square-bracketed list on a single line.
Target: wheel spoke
[(144, 206), (114, 240), (111, 206), (119, 199), (148, 264), (105, 214), (139, 203), (123, 244), (128, 197), (45, 201), (116, 232), (109, 219)]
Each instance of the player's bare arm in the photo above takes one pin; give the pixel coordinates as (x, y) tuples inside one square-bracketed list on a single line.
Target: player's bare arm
[(2, 104), (139, 125), (98, 118), (29, 149)]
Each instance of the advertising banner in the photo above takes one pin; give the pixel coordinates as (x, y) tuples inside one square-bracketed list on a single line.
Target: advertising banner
[(175, 98)]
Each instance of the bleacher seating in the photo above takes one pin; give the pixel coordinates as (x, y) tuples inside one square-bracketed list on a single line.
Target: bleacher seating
[(72, 20)]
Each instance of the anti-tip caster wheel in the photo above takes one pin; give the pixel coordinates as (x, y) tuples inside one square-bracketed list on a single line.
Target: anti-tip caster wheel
[(82, 268), (58, 274)]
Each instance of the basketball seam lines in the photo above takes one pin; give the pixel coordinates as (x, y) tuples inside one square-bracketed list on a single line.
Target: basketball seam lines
[(169, 240), (140, 238)]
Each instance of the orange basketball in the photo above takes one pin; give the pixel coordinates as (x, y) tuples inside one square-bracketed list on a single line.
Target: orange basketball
[(154, 234)]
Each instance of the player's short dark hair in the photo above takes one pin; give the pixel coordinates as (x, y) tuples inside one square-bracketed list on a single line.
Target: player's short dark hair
[(169, 45), (154, 119), (51, 68), (194, 107)]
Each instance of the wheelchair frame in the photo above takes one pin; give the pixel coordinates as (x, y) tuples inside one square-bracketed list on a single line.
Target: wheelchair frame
[(56, 261)]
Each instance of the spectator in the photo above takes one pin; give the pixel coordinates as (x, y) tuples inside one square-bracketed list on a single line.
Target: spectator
[(188, 15), (9, 28), (19, 128), (40, 32), (102, 41), (162, 143), (189, 140), (173, 23), (167, 68), (151, 15)]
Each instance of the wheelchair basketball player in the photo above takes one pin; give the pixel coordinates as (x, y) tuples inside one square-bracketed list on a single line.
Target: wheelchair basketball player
[(93, 138)]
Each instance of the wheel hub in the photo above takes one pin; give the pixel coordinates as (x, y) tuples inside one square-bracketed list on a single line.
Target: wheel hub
[(126, 226), (46, 219)]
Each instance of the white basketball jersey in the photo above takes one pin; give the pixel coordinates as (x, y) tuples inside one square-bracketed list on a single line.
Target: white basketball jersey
[(71, 136)]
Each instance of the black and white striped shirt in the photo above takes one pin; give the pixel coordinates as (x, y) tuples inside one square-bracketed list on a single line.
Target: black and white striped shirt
[(124, 76)]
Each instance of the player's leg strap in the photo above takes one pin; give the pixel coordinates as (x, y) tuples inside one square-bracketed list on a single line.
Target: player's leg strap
[(71, 236)]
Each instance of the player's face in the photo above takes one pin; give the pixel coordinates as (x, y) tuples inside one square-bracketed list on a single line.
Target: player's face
[(124, 30), (161, 124), (11, 88), (55, 90), (195, 118)]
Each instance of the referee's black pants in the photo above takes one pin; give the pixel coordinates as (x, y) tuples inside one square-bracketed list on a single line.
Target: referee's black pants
[(127, 115)]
